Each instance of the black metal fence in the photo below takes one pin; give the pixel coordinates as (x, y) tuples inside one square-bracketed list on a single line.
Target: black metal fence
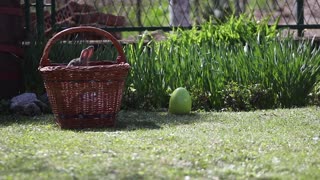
[(302, 16)]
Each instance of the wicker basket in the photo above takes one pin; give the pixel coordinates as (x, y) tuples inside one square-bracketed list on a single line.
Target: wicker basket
[(84, 96)]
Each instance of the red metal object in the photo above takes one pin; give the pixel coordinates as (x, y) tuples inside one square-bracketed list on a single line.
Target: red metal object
[(75, 14), (12, 49), (11, 11), (11, 36)]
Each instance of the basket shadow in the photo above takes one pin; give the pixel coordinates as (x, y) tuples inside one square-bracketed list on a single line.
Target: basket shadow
[(141, 120), (135, 120), (125, 121)]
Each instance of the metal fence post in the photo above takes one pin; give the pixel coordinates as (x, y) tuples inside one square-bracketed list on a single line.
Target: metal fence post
[(300, 17), (27, 16), (53, 13), (139, 13), (40, 18)]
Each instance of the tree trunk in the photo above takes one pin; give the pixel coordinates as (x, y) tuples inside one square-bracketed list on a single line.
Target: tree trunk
[(179, 13)]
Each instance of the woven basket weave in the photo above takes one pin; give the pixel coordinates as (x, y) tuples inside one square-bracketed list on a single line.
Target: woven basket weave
[(84, 96)]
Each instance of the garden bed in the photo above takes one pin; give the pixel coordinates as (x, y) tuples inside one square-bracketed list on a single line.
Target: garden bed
[(211, 62)]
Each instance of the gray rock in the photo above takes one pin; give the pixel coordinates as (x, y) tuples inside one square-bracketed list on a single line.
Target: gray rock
[(23, 99), (27, 104), (31, 109)]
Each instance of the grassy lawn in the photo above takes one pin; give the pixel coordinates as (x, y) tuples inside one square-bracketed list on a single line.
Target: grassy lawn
[(273, 144)]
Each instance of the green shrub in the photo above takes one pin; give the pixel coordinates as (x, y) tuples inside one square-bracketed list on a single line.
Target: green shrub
[(272, 72), (235, 97), (314, 96), (261, 97), (245, 98), (235, 30)]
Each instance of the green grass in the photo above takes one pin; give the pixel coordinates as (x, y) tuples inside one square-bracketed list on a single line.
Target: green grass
[(272, 144)]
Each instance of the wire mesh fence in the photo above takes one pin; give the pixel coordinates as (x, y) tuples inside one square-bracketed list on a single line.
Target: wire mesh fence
[(139, 15)]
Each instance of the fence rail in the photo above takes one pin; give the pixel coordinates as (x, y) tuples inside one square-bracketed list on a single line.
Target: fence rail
[(139, 15)]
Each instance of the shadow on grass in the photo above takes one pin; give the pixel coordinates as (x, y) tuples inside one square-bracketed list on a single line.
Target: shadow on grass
[(9, 120), (125, 121), (133, 120)]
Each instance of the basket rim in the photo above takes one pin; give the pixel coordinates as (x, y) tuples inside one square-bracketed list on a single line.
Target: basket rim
[(45, 61), (63, 67)]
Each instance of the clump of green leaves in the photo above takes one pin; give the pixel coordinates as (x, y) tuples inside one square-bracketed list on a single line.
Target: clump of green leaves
[(235, 97), (200, 99), (244, 98), (235, 30), (314, 96), (261, 97)]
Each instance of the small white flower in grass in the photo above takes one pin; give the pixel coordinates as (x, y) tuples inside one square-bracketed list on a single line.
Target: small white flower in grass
[(312, 41), (246, 48), (275, 160)]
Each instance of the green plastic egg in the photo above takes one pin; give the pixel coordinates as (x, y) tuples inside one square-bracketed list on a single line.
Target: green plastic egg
[(180, 101)]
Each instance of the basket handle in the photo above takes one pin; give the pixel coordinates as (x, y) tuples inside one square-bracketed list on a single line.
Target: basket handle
[(45, 60)]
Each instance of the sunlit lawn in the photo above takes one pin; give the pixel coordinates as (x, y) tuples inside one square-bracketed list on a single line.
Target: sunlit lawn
[(272, 144)]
